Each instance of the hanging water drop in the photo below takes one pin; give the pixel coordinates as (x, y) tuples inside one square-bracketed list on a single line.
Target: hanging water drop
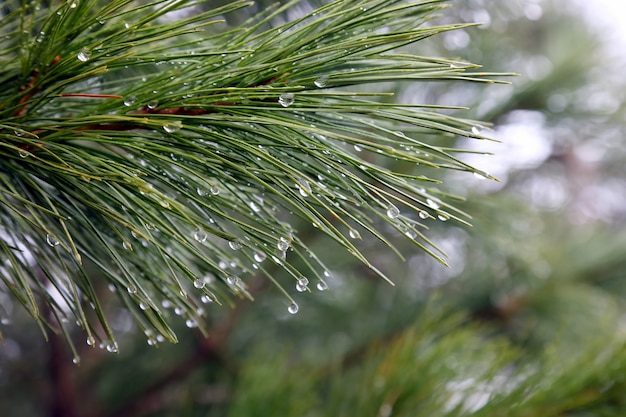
[(214, 190), (321, 81), (423, 214), (293, 308), (286, 99), (191, 323), (200, 235), (129, 101), (91, 341), (304, 187), (321, 286), (358, 148), (354, 234), (127, 245), (283, 244), (432, 204), (301, 288), (201, 192), (393, 212), (443, 217), (76, 360), (205, 299), (259, 256), (199, 283), (178, 311), (52, 241), (231, 279), (22, 153), (235, 244), (172, 127), (476, 129), (132, 289), (84, 55), (152, 104), (112, 347), (479, 176)]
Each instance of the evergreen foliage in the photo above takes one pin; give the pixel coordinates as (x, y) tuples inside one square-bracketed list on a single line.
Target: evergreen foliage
[(156, 150)]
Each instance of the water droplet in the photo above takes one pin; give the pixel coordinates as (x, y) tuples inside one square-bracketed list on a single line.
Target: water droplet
[(52, 241), (443, 217), (286, 99), (321, 82), (254, 206), (164, 203), (200, 235), (22, 153), (143, 306), (84, 55), (304, 187), (321, 286), (214, 190), (112, 347), (76, 360), (205, 299), (354, 234), (91, 341), (283, 244), (479, 176), (199, 283), (303, 281), (260, 256), (235, 244), (358, 148), (231, 279), (393, 212), (152, 104), (301, 288), (191, 323), (410, 233), (477, 129), (73, 5), (127, 245), (201, 192), (432, 204), (151, 341), (132, 289), (129, 101), (423, 214), (293, 308), (178, 311), (173, 126)]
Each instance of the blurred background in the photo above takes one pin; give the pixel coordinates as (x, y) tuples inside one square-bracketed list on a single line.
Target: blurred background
[(528, 320)]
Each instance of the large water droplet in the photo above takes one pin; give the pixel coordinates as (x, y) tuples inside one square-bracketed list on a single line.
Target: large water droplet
[(22, 153), (321, 82), (205, 299), (131, 289), (254, 206), (354, 234), (129, 101), (393, 212), (200, 235), (301, 288), (443, 217), (91, 341), (423, 214), (231, 279), (172, 127), (127, 245), (477, 129), (52, 241), (260, 256), (191, 323), (84, 55), (152, 104), (293, 308), (283, 244), (321, 286), (199, 283), (286, 99), (76, 360), (112, 347), (201, 192), (214, 190)]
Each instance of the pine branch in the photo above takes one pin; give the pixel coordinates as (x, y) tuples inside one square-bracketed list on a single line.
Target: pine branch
[(173, 155)]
